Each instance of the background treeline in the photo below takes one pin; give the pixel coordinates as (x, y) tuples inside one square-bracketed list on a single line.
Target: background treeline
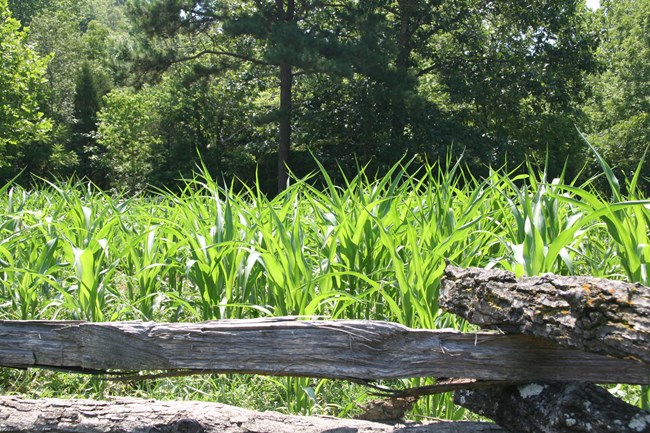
[(130, 93)]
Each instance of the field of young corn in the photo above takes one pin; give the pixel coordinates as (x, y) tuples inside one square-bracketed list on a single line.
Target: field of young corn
[(365, 250)]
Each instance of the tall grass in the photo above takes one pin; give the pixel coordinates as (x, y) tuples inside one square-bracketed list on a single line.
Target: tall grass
[(369, 249)]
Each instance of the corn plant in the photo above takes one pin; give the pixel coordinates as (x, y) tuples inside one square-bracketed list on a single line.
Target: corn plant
[(364, 249), (29, 268)]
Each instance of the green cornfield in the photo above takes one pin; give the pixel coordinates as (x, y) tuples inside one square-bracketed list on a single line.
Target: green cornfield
[(370, 249)]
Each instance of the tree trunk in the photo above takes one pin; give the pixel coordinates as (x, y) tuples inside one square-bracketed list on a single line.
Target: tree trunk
[(406, 10), (126, 415), (284, 145), (587, 313), (346, 349), (555, 407)]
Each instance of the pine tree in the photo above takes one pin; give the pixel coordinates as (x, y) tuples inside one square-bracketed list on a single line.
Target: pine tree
[(87, 103), (292, 37)]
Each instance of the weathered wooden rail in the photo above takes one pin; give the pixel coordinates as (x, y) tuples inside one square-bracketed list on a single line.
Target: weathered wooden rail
[(551, 338), (129, 415), (347, 349)]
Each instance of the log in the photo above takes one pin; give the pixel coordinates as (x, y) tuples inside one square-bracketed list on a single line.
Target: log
[(586, 313), (128, 415), (554, 408), (353, 350)]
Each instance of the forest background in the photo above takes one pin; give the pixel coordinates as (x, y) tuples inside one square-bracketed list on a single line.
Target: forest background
[(133, 93)]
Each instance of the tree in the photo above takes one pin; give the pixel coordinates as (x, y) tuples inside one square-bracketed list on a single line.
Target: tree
[(24, 10), (128, 130), (292, 37), (516, 71), (84, 39), (411, 25), (619, 112), (87, 103), (22, 75), (500, 80)]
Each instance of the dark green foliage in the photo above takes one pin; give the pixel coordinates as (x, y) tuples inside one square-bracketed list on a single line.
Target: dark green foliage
[(514, 69), (244, 83), (24, 10), (501, 81), (87, 103), (619, 112)]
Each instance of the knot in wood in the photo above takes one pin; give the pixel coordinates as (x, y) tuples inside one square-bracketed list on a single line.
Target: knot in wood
[(184, 425)]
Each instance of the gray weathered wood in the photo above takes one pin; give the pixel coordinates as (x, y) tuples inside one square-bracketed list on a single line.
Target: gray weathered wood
[(147, 416), (587, 313), (361, 350), (555, 408)]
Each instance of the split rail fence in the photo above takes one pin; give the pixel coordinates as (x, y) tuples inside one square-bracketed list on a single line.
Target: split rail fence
[(545, 342)]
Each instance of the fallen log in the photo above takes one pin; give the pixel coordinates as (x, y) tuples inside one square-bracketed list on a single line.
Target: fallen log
[(555, 407), (586, 313), (124, 415), (353, 350)]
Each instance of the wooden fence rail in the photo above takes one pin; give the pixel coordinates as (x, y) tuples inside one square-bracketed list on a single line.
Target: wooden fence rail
[(355, 350), (129, 415), (552, 338)]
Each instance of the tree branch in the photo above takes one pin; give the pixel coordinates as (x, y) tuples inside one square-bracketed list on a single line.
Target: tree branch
[(426, 70), (221, 53)]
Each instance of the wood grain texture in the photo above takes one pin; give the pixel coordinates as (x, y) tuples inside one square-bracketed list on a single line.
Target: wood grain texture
[(358, 350), (556, 407), (124, 415), (587, 313)]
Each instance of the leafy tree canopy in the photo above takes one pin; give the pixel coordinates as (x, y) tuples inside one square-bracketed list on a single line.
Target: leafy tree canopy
[(22, 75), (24, 10), (269, 83), (619, 111)]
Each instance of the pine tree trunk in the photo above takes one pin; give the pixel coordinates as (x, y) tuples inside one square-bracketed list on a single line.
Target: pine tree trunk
[(286, 83), (286, 11)]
